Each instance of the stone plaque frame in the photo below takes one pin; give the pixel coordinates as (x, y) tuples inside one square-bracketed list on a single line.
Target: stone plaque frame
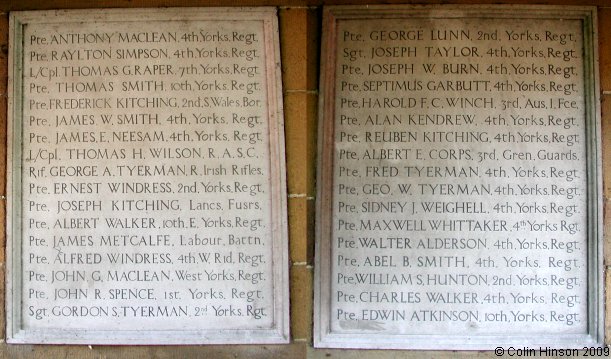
[(324, 337), (279, 331)]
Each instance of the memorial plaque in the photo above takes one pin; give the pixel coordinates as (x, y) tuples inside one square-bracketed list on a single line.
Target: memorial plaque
[(147, 200), (459, 187)]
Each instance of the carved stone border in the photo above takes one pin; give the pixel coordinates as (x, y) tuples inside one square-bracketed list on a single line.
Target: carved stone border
[(279, 333), (323, 336)]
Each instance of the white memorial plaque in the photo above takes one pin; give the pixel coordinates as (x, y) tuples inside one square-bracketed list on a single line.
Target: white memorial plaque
[(459, 178), (147, 200)]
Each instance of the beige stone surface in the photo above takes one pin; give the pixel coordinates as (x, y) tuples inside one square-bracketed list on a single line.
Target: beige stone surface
[(397, 354), (301, 302), (296, 350), (300, 124), (299, 40), (607, 299), (606, 166), (606, 143), (604, 47), (298, 222)]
